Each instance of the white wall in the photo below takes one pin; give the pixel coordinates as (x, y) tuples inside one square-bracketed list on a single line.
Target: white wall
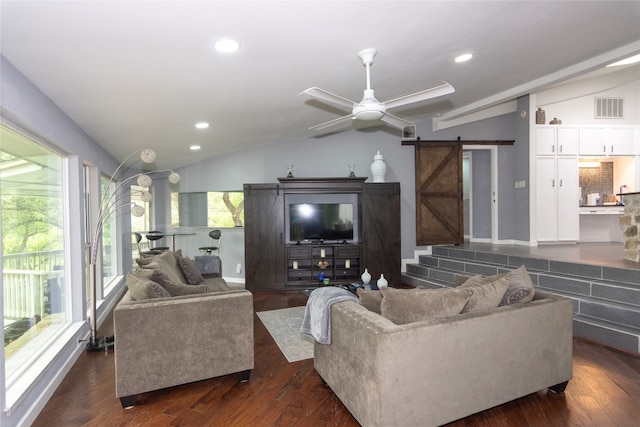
[(573, 103)]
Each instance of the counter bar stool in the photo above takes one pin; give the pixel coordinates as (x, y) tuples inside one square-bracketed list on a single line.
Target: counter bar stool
[(216, 238), (154, 236), (141, 253)]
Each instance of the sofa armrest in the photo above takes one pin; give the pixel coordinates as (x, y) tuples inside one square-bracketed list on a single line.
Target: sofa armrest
[(164, 342), (440, 370)]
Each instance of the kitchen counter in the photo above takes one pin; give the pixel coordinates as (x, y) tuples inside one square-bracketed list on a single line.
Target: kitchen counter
[(601, 223), (602, 210)]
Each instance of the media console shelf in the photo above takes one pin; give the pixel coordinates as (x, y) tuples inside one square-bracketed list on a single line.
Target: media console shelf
[(272, 262), (340, 263)]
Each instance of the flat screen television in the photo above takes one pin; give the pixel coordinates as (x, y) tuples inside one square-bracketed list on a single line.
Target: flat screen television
[(321, 221)]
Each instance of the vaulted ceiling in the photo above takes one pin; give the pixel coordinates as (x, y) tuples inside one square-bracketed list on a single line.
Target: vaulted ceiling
[(139, 74)]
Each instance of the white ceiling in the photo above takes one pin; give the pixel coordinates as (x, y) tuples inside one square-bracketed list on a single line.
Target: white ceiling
[(141, 74)]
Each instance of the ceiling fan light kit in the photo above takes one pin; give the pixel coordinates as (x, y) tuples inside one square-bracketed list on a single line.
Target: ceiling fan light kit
[(369, 108)]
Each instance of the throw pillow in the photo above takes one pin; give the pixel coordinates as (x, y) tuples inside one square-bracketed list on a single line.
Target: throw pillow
[(142, 288), (478, 280), (413, 305), (488, 295), (172, 272), (174, 289), (142, 262), (520, 288), (190, 271), (370, 300)]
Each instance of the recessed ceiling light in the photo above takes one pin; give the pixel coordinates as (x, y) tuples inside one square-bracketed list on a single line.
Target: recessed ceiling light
[(463, 58), (226, 45), (627, 61), (202, 125), (194, 147)]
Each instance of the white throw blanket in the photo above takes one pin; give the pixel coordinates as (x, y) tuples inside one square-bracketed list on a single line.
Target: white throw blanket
[(317, 314)]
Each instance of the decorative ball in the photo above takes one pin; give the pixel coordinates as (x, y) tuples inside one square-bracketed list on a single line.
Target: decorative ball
[(144, 180), (137, 210), (174, 178), (145, 196), (148, 155)]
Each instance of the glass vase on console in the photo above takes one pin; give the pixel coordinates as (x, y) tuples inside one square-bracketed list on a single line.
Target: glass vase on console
[(366, 277), (382, 282)]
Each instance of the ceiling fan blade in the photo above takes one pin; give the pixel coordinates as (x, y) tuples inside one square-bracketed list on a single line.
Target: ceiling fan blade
[(434, 92), (396, 121), (332, 122), (323, 95)]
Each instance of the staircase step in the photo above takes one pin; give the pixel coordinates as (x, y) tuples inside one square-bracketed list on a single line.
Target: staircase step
[(606, 300), (612, 334), (594, 272)]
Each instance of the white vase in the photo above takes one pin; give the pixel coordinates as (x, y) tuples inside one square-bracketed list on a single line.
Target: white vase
[(382, 282), (366, 277), (378, 168)]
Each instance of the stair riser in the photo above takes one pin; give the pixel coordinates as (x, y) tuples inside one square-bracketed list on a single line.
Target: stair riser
[(631, 277), (611, 313), (624, 293), (608, 298), (611, 337)]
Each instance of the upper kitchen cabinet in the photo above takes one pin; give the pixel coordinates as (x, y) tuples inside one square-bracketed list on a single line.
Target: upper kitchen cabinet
[(607, 141), (556, 140)]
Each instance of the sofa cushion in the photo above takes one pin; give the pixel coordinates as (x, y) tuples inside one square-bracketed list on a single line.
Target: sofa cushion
[(413, 305), (520, 288), (175, 289), (172, 272), (370, 300), (142, 288), (189, 270), (485, 295)]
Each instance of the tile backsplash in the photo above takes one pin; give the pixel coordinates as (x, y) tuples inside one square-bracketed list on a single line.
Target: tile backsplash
[(597, 180)]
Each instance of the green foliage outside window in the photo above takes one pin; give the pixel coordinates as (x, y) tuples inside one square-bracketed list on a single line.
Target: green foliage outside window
[(214, 209)]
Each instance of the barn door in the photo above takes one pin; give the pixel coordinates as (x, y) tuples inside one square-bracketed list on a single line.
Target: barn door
[(439, 204)]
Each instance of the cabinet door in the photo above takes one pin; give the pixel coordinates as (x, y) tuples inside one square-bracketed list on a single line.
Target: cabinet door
[(546, 201), (567, 141), (265, 263), (620, 141), (568, 199), (380, 231), (593, 141), (545, 140)]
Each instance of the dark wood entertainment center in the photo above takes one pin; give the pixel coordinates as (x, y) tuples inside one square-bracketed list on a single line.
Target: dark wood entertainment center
[(274, 263)]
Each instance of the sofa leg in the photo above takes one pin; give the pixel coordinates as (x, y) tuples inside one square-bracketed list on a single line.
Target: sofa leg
[(244, 376), (128, 402), (559, 388)]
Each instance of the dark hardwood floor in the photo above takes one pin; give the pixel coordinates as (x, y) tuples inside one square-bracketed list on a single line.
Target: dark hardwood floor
[(604, 391)]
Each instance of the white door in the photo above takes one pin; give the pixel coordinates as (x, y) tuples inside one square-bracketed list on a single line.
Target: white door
[(546, 199), (568, 202)]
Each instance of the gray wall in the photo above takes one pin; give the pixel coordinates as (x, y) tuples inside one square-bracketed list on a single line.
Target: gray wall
[(24, 105), (521, 172), (481, 191), (329, 156)]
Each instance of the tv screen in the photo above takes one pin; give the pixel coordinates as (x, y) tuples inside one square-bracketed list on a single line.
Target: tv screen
[(320, 221)]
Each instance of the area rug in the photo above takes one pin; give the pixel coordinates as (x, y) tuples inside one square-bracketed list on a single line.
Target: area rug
[(284, 327)]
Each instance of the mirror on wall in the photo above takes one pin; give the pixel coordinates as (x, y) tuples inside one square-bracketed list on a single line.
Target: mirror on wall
[(213, 209)]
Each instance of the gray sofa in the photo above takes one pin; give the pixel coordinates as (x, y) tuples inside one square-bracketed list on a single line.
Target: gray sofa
[(201, 331), (432, 372)]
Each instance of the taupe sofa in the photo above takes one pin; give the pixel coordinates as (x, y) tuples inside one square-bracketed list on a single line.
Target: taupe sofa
[(167, 341), (432, 372)]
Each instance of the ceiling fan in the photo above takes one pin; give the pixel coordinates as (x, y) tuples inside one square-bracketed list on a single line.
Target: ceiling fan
[(370, 108)]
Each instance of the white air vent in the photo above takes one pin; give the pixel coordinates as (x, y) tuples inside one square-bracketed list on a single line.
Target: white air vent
[(609, 108)]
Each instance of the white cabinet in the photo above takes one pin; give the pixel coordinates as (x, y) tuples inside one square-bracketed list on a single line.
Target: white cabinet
[(560, 140), (607, 141), (557, 199)]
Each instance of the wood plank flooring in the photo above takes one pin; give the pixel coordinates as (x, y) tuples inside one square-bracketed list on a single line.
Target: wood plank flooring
[(604, 391)]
